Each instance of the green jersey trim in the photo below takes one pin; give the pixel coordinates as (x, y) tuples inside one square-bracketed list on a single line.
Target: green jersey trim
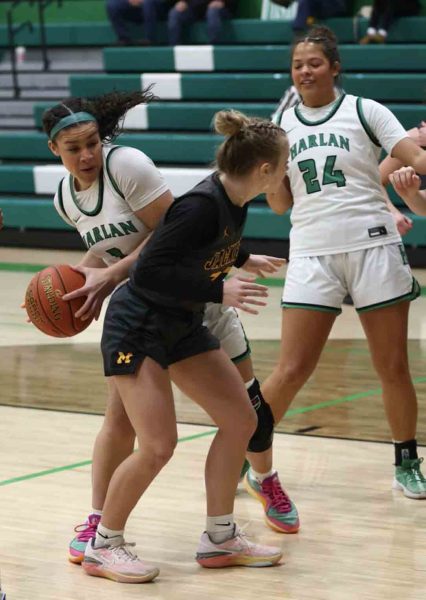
[(317, 307), (98, 207), (61, 200), (111, 178), (335, 108), (364, 123)]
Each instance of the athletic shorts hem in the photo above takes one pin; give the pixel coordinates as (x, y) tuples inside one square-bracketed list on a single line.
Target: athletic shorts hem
[(242, 356), (412, 295), (316, 307)]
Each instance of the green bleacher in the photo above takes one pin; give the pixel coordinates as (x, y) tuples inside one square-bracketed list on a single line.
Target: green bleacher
[(410, 30), (248, 72)]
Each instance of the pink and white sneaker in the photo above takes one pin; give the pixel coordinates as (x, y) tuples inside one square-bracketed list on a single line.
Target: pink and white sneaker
[(85, 533), (118, 563), (237, 551)]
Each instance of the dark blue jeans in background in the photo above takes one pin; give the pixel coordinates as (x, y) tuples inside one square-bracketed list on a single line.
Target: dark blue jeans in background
[(178, 21), (121, 13), (320, 9)]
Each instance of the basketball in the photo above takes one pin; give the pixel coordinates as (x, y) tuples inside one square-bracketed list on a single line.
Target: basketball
[(44, 304)]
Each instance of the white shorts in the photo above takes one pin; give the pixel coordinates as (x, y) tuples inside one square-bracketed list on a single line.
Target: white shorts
[(224, 323), (374, 277)]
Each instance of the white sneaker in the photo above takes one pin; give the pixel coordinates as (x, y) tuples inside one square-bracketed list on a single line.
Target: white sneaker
[(237, 551), (118, 563)]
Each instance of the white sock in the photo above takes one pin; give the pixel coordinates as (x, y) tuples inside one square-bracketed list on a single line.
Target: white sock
[(383, 32), (105, 536), (220, 528), (262, 476), (95, 511), (371, 31), (248, 384)]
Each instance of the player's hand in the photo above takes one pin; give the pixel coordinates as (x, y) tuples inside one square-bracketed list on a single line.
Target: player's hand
[(97, 287), (28, 320), (403, 223), (240, 291), (405, 181), (259, 264)]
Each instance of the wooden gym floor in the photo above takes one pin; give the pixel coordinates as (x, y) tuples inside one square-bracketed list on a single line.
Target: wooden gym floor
[(359, 539)]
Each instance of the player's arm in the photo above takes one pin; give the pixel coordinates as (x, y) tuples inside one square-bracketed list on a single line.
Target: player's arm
[(282, 200), (391, 164), (101, 280)]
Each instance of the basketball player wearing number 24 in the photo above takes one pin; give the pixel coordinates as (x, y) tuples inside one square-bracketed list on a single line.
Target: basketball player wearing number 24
[(344, 240)]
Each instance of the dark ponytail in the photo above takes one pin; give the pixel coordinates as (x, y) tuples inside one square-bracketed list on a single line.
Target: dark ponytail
[(108, 110)]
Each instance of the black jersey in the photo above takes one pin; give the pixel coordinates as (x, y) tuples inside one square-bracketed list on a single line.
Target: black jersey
[(192, 250)]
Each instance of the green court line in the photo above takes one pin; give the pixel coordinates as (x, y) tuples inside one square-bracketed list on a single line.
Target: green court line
[(290, 413), (84, 463), (21, 267)]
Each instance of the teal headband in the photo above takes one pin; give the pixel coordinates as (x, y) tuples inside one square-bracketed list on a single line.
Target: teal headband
[(71, 119)]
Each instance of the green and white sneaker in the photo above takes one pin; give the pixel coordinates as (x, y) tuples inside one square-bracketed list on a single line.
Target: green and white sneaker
[(410, 479)]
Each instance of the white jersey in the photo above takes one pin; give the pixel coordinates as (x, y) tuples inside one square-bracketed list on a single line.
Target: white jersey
[(104, 213), (339, 204)]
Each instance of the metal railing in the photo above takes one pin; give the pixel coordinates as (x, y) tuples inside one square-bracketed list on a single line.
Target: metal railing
[(13, 30)]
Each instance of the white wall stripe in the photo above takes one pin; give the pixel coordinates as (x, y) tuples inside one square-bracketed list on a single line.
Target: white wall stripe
[(47, 178), (194, 58), (180, 180), (167, 86), (136, 117)]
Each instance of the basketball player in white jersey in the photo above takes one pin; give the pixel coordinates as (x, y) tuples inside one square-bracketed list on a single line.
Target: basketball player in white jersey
[(115, 196), (344, 240)]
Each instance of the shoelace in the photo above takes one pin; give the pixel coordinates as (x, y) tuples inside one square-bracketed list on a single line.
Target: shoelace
[(87, 531), (123, 552), (279, 499), (415, 473)]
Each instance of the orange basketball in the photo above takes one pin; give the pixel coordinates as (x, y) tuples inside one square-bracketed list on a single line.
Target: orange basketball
[(44, 304)]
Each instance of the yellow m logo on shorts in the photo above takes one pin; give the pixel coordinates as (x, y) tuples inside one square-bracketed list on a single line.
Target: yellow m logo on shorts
[(124, 358)]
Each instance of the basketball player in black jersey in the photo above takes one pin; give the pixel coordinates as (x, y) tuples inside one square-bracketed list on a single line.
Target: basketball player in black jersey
[(153, 333)]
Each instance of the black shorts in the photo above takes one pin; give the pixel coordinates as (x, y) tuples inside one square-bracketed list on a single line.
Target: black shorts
[(134, 329)]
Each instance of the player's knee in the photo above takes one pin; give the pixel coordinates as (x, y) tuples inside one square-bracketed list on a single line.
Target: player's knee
[(292, 374), (262, 437), (159, 452), (393, 369), (118, 427)]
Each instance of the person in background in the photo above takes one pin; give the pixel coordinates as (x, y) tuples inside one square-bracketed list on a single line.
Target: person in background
[(147, 12), (384, 14), (308, 11), (186, 12)]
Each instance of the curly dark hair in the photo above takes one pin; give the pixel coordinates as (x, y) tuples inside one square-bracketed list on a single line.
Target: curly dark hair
[(107, 109)]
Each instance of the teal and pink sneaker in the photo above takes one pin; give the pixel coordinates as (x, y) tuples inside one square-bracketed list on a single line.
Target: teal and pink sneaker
[(280, 512), (85, 533)]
